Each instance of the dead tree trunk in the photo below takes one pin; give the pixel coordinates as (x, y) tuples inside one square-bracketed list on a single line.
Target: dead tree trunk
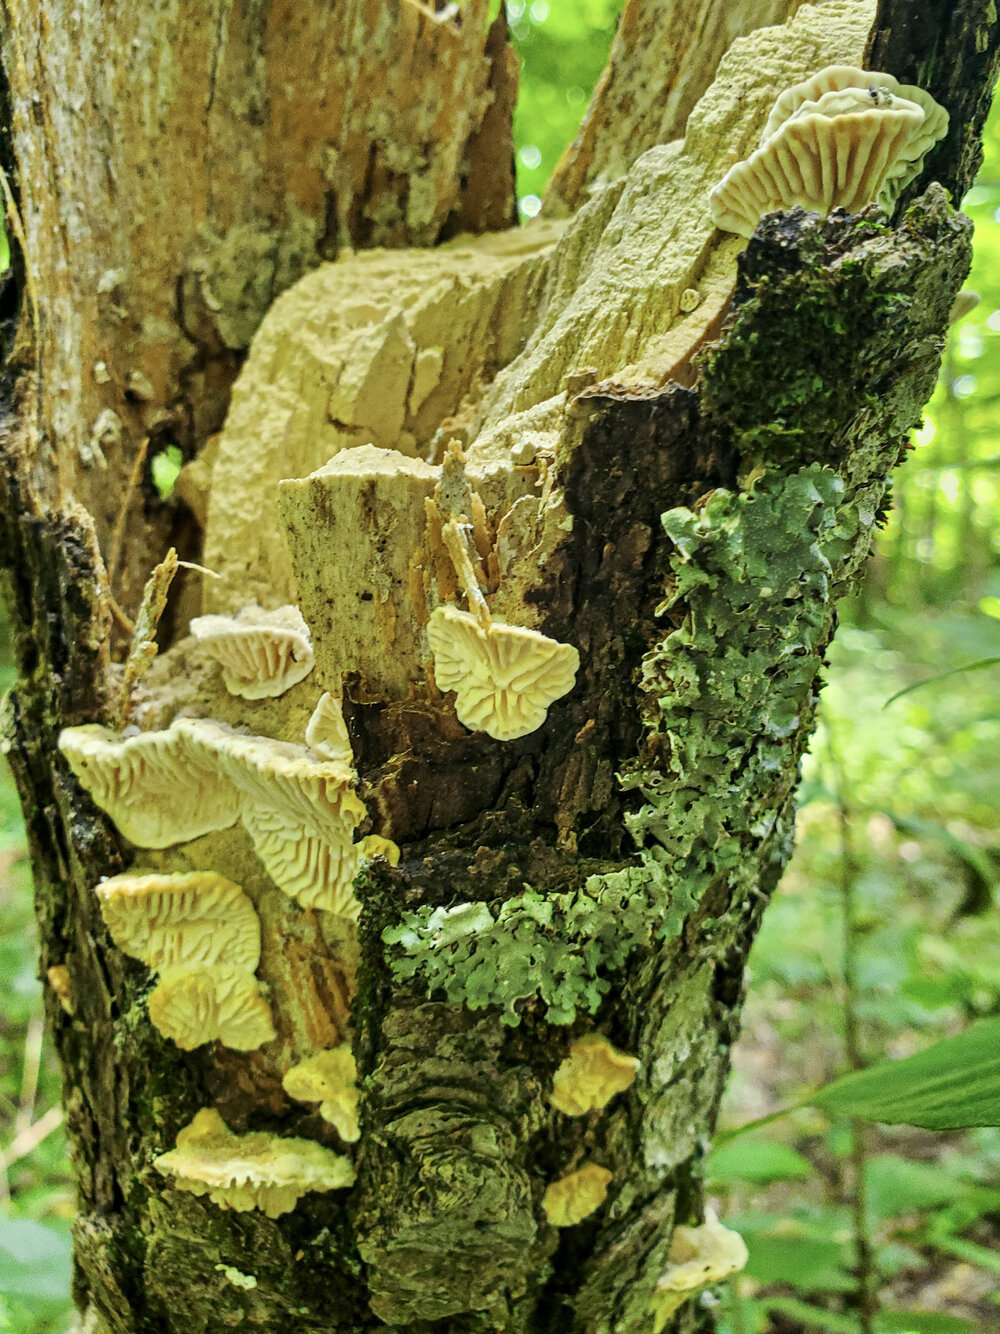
[(612, 430)]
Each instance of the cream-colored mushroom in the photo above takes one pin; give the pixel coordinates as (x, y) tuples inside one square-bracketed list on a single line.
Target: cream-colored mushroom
[(879, 87), (193, 917), (262, 653), (504, 677), (698, 1256), (329, 1078), (196, 1003), (301, 814), (591, 1075), (160, 788), (840, 140), (254, 1171), (326, 731), (575, 1196)]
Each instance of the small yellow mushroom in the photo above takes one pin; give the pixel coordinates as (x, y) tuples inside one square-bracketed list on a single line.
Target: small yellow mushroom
[(254, 1171), (62, 984), (575, 1196), (374, 845), (262, 653), (699, 1256), (329, 1078), (591, 1075), (504, 677)]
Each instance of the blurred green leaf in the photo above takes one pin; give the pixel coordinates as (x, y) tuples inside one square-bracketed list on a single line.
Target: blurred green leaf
[(942, 676), (756, 1160), (953, 1084), (922, 1322), (35, 1260), (898, 1185)]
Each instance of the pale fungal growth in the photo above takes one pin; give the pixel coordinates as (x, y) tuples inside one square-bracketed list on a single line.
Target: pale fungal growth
[(262, 653), (326, 731), (200, 932), (575, 1196), (193, 1004), (374, 845), (254, 1171), (504, 677), (842, 139), (591, 1075), (964, 303), (160, 788), (62, 984), (194, 917), (329, 1078), (301, 814), (698, 1256)]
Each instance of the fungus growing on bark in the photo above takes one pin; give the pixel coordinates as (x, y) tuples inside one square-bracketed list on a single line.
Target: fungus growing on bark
[(160, 788), (504, 677), (301, 814), (591, 1075), (168, 919), (374, 845), (262, 653), (254, 1171), (329, 1078), (698, 1256), (196, 1003), (575, 1196), (841, 139), (326, 731)]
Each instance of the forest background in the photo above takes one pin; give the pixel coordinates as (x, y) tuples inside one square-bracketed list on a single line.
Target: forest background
[(883, 937)]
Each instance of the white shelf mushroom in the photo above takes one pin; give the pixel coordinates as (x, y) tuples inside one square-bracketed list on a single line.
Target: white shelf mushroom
[(699, 1256), (192, 917), (326, 731), (254, 1171), (160, 788), (841, 139), (200, 932), (262, 653), (329, 1078), (196, 1003), (504, 677), (301, 814)]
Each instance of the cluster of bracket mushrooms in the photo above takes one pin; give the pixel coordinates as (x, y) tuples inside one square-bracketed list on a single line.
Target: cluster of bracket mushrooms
[(841, 139)]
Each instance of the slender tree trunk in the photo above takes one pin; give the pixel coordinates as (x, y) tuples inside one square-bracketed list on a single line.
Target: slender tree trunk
[(672, 466)]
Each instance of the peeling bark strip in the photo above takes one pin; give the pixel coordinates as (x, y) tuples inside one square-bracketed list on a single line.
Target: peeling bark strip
[(684, 513)]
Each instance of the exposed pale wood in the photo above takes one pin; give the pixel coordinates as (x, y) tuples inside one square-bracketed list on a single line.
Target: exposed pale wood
[(181, 164), (650, 84)]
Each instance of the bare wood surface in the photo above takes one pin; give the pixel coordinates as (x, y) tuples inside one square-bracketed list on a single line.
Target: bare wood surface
[(650, 84)]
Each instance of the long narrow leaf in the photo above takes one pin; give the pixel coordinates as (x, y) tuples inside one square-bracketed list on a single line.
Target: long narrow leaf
[(941, 676)]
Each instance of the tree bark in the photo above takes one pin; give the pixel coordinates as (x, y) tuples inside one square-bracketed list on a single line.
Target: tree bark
[(710, 481)]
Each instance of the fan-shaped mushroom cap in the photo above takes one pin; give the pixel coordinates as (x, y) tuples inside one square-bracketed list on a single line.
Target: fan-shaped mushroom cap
[(255, 1171), (504, 677), (326, 731), (329, 1078), (301, 814), (374, 845), (591, 1075), (160, 788), (839, 140), (194, 1003), (575, 1196), (698, 1256), (168, 919), (263, 653)]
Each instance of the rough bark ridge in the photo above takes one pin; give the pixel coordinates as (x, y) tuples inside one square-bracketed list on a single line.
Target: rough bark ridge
[(695, 519)]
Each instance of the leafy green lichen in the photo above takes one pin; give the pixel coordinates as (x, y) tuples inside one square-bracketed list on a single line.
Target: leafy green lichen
[(725, 691)]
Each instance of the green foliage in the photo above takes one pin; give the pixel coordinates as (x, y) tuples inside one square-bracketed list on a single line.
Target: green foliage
[(954, 1084)]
